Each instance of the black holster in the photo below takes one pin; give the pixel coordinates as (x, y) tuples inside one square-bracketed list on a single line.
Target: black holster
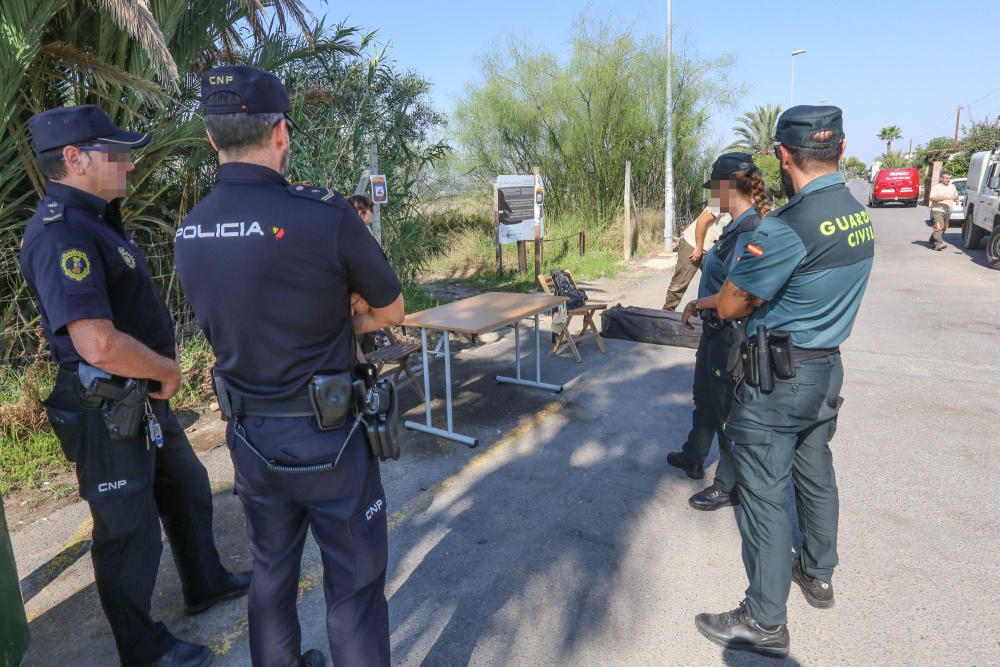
[(122, 401)]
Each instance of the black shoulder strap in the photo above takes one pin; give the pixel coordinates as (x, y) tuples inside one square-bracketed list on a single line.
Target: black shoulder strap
[(316, 193), (50, 210)]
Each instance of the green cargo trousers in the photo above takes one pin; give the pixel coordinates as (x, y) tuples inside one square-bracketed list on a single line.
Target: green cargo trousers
[(784, 436)]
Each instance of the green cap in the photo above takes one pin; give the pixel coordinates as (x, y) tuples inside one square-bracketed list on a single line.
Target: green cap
[(797, 124)]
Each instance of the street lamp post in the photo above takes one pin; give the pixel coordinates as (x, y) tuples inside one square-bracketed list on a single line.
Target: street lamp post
[(791, 94)]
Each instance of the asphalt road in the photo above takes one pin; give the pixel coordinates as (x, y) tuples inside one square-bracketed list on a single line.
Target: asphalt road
[(565, 539)]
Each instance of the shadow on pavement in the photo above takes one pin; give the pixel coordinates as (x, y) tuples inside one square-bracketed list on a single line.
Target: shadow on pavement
[(535, 537), (75, 632)]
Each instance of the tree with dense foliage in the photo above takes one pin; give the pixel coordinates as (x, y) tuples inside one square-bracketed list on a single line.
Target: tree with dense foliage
[(853, 167), (756, 129), (580, 120), (142, 63), (888, 135)]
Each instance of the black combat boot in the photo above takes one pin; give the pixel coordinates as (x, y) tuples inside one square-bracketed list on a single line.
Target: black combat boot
[(713, 498), (738, 630), (818, 593), (693, 470)]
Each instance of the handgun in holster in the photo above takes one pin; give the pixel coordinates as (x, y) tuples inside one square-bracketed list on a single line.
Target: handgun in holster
[(122, 401)]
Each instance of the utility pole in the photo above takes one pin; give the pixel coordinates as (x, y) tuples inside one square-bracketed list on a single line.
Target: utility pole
[(958, 115), (668, 176)]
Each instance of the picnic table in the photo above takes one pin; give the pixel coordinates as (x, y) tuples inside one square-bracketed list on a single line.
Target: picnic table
[(478, 315)]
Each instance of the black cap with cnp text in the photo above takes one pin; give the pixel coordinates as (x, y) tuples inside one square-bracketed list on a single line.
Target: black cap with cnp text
[(251, 90), (798, 124), (728, 164), (86, 123)]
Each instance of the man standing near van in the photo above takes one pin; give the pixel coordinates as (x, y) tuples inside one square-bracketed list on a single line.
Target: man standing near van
[(943, 195)]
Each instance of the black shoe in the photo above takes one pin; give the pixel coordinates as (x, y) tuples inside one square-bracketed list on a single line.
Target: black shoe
[(713, 498), (312, 658), (737, 630), (693, 470), (236, 585), (818, 593), (941, 246), (184, 654)]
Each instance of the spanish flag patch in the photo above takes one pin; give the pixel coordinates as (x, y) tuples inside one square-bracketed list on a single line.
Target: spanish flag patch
[(755, 249)]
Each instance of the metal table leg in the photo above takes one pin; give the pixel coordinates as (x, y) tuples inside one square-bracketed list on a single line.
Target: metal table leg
[(428, 427), (537, 382)]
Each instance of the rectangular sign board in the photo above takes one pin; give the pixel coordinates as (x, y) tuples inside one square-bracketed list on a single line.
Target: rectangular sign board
[(520, 211), (380, 189)]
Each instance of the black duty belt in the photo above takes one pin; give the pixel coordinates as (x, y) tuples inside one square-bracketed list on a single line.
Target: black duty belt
[(802, 354), (296, 406)]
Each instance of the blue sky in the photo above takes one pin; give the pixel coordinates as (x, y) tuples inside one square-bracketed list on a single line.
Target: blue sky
[(884, 62)]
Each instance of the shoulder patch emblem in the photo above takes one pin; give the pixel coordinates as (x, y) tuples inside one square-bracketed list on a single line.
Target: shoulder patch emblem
[(755, 249), (126, 257), (326, 195), (75, 264)]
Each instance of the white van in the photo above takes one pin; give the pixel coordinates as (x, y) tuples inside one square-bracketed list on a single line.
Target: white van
[(982, 205)]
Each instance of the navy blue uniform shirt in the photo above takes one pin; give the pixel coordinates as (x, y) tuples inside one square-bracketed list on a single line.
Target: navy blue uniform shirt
[(80, 264), (719, 261), (269, 269)]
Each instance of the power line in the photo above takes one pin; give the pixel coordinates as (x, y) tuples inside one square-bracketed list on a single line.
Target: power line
[(926, 134), (993, 92)]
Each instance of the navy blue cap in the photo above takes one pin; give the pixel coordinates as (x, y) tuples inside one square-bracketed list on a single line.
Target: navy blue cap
[(797, 124), (87, 123), (728, 164), (257, 91)]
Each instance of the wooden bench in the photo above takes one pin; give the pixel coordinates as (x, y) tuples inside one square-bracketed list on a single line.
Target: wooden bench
[(397, 354), (587, 311)]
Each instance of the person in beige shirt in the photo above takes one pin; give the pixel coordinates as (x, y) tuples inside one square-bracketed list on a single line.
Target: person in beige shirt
[(696, 239), (943, 195)]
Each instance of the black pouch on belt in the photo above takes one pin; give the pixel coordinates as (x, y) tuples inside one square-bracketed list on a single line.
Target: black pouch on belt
[(380, 407), (749, 354), (780, 345), (332, 397), (765, 369)]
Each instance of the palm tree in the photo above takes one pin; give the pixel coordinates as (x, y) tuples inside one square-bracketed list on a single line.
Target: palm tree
[(139, 59), (888, 135), (755, 130), (893, 160)]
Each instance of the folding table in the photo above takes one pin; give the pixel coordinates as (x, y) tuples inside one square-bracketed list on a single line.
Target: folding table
[(478, 315)]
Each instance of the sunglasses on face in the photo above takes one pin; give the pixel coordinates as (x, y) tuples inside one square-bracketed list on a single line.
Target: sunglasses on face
[(114, 153)]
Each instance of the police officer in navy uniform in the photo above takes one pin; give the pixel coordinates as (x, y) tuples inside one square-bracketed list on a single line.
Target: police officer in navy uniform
[(102, 315), (738, 186), (804, 272), (272, 270)]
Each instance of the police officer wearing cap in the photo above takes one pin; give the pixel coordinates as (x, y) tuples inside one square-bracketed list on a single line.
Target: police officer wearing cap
[(801, 279), (271, 270), (737, 185), (112, 336)]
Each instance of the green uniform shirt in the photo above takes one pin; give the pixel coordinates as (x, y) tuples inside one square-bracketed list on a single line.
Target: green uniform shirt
[(810, 261)]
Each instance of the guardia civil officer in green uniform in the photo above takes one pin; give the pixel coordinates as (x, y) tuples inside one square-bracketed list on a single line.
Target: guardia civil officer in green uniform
[(801, 278), (737, 185)]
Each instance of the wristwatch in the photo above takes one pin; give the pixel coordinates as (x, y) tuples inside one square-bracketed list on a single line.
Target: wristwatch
[(694, 306)]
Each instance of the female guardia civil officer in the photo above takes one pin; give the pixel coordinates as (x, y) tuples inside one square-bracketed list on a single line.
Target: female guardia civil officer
[(737, 184)]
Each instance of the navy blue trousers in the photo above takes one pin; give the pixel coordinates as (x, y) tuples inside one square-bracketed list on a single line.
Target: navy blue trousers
[(131, 487), (346, 511)]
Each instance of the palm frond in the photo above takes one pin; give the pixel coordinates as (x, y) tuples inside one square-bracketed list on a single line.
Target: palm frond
[(134, 17), (99, 75)]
